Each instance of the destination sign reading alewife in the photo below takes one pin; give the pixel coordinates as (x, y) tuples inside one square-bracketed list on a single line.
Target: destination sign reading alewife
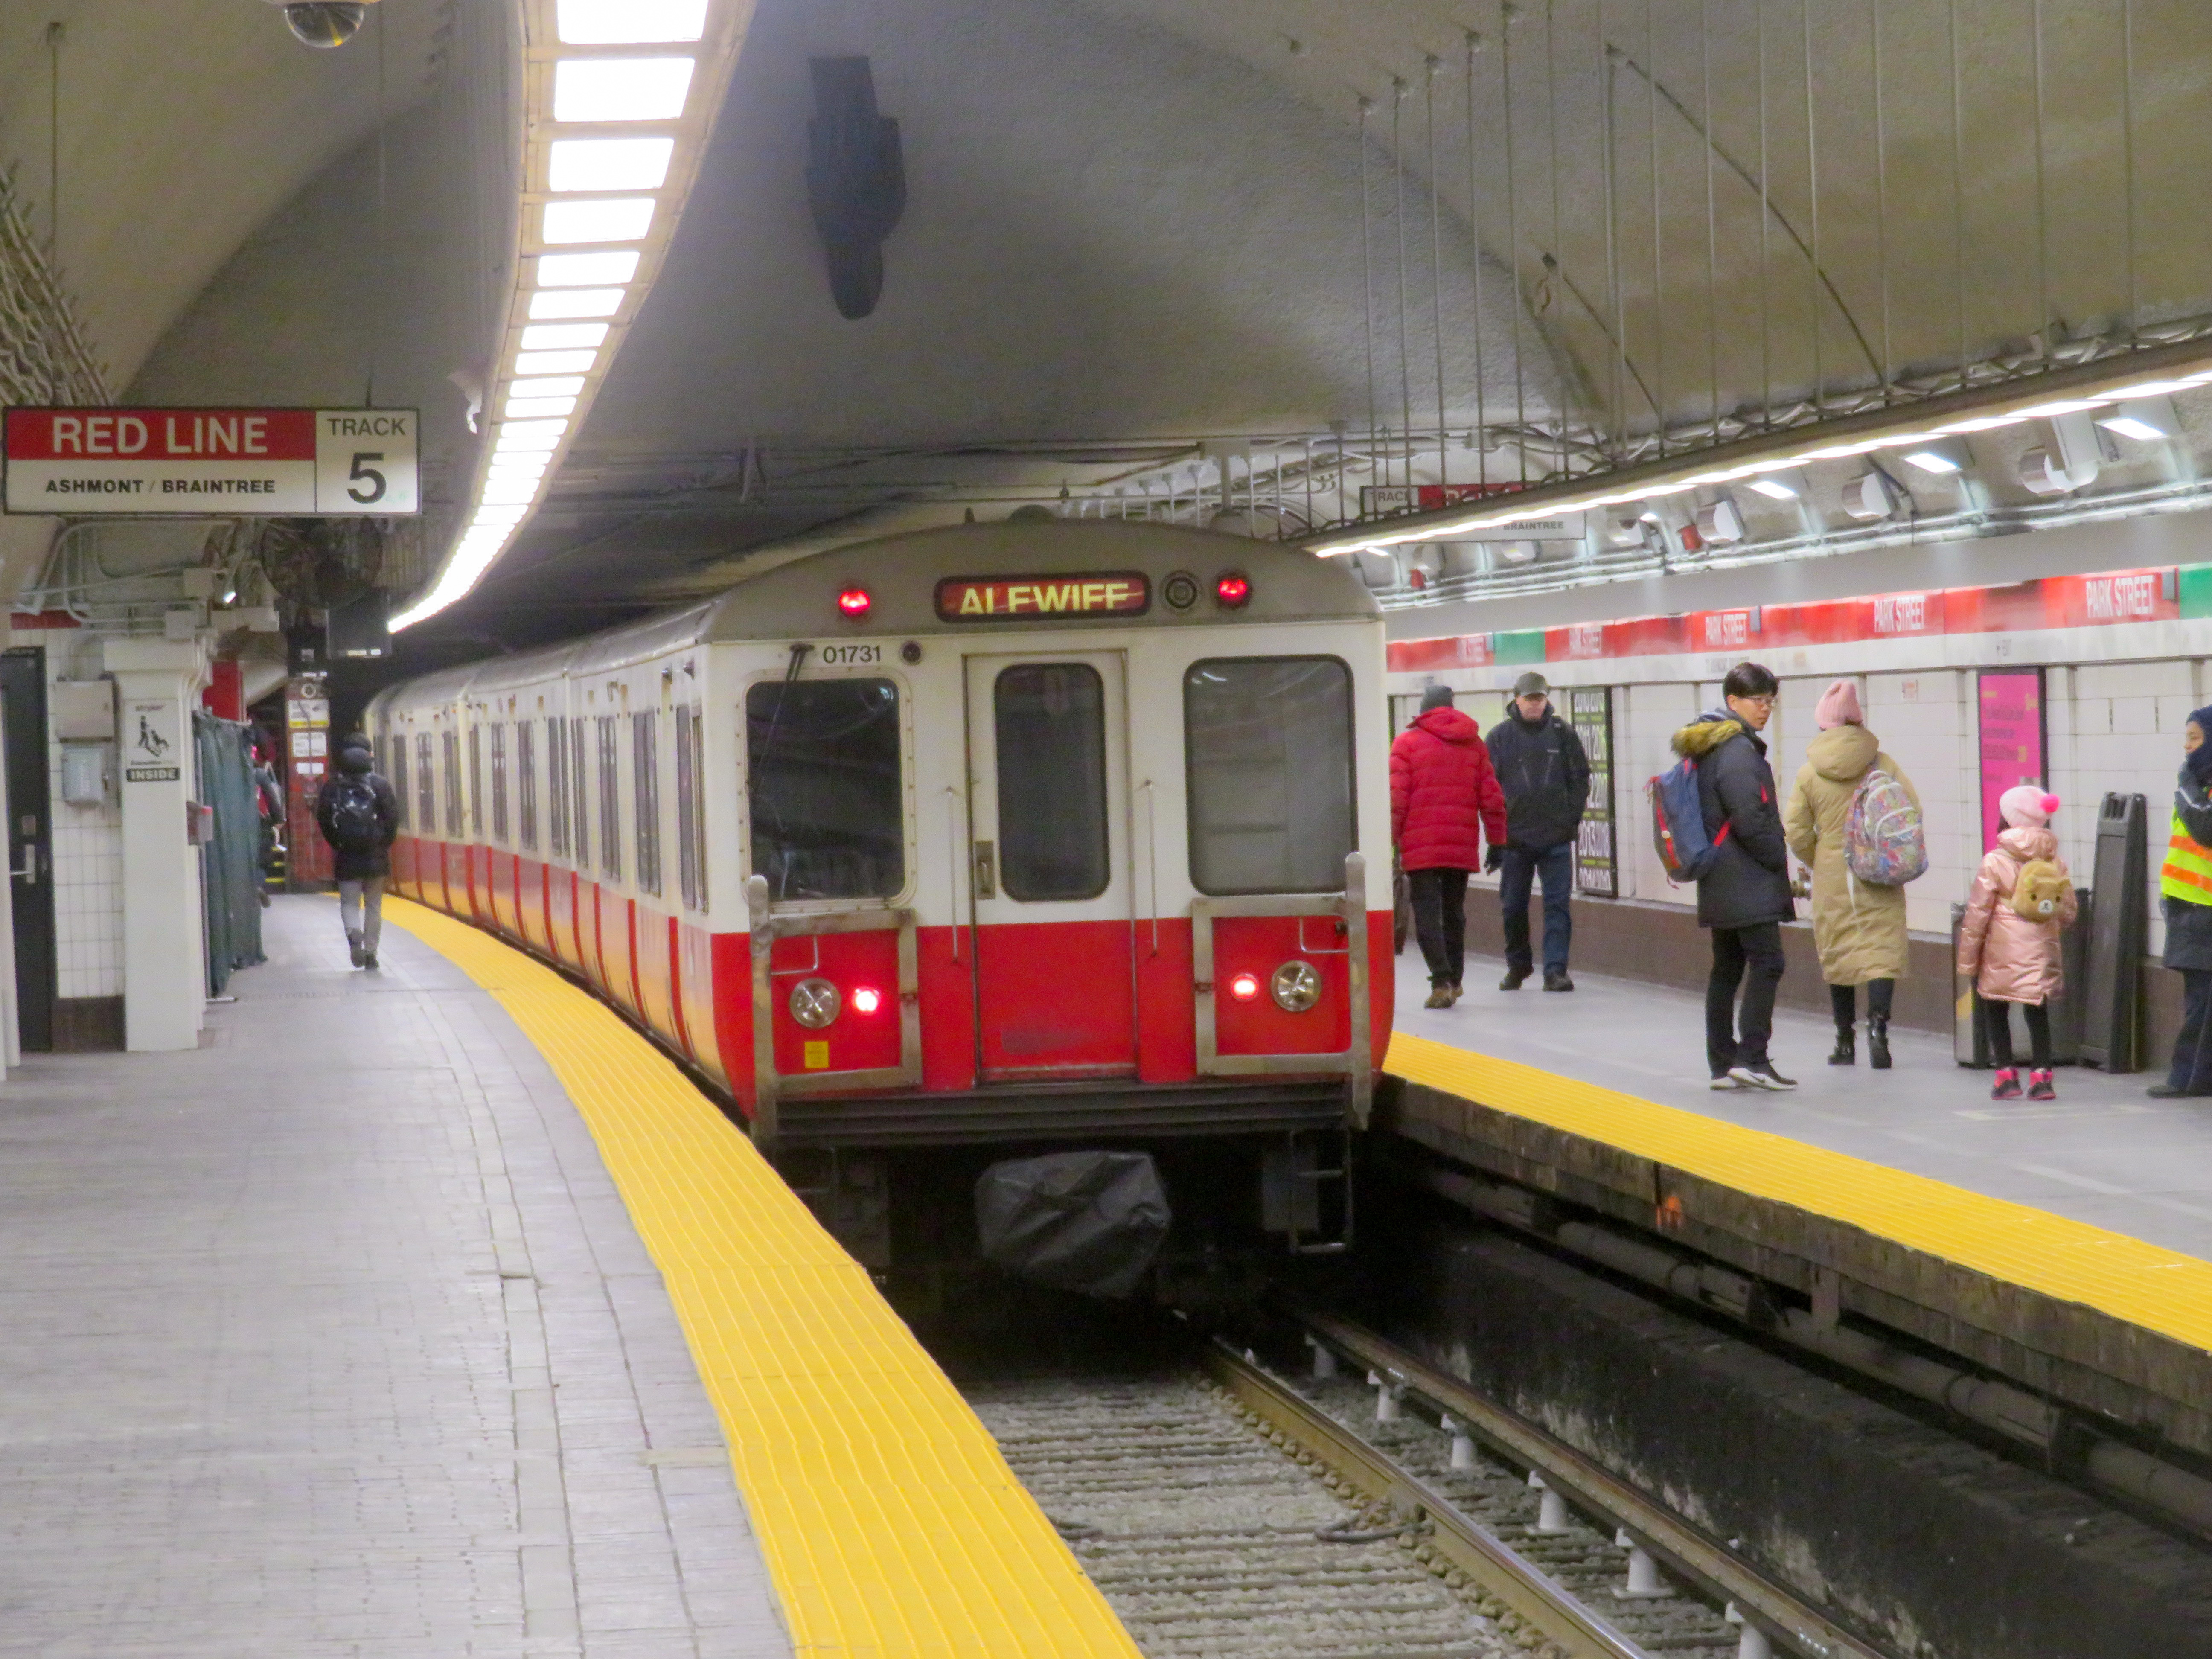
[(1000, 598), (194, 462)]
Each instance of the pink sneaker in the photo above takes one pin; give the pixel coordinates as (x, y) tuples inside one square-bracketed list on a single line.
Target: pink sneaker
[(2040, 1087), (2007, 1086)]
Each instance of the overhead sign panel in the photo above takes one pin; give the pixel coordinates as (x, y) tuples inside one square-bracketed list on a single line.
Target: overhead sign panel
[(194, 462), (1000, 598)]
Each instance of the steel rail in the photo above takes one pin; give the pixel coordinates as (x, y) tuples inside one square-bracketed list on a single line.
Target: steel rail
[(1488, 1560), (1687, 1551)]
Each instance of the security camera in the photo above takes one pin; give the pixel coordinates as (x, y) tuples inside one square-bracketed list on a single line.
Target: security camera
[(324, 23)]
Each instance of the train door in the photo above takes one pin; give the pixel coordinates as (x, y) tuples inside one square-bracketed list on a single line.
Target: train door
[(1048, 792), (30, 844)]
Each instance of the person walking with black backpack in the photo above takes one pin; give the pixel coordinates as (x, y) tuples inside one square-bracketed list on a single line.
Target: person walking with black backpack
[(359, 817), (1545, 773), (1744, 898)]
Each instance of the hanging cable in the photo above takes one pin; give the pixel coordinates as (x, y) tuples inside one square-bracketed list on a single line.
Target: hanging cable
[(1474, 234), (1398, 90), (1367, 268), (1437, 275), (1507, 12)]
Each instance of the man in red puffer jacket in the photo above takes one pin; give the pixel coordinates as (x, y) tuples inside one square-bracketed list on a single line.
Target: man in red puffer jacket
[(1444, 804)]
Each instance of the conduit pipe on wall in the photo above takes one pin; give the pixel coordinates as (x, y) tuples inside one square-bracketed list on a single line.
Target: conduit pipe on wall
[(2024, 1417)]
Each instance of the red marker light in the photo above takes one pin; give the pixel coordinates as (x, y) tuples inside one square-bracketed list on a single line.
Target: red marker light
[(1245, 987), (854, 602), (1232, 591), (867, 1000)]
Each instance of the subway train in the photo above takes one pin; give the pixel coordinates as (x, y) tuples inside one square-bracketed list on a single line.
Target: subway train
[(960, 851)]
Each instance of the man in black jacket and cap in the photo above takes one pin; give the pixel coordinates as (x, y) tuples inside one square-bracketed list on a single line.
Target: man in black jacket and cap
[(359, 817), (1546, 776), (1745, 898)]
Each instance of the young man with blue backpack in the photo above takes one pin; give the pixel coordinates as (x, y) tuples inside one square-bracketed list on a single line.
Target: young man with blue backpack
[(1719, 825)]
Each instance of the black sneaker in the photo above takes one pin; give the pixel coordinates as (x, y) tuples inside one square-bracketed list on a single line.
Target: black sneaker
[(1762, 1075), (368, 959), (1557, 979), (1513, 978)]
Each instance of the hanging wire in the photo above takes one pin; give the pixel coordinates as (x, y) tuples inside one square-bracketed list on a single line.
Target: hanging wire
[(1881, 181), (1367, 269), (1958, 183), (1551, 118), (1713, 226), (1507, 13), (1658, 231), (1474, 234), (2042, 203), (2128, 157), (1437, 275), (1610, 175), (1765, 215), (1398, 90), (1813, 192)]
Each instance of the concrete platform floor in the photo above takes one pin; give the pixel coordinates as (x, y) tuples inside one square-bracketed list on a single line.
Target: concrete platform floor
[(2102, 1152), (334, 1339)]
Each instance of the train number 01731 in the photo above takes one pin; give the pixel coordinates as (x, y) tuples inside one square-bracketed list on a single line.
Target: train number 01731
[(848, 656)]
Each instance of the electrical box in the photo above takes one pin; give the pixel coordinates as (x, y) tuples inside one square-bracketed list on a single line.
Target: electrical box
[(82, 711), (85, 771)]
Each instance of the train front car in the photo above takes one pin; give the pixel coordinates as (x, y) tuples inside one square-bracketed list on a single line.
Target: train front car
[(1041, 901)]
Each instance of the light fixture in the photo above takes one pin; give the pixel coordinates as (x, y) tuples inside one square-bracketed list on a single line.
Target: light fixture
[(526, 408), (550, 303), (502, 491), (866, 999), (1869, 497), (2148, 419), (1932, 460), (1720, 522), (555, 362), (529, 434), (550, 386), (563, 337), (585, 269), (852, 603), (582, 164), (1516, 552), (1245, 987), (620, 88), (1773, 488), (610, 219), (628, 22), (1232, 589)]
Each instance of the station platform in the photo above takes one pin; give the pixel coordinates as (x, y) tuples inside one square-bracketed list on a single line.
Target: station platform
[(2065, 1245), (431, 1311)]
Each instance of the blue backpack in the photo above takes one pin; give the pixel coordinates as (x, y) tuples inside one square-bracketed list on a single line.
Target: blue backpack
[(1678, 825)]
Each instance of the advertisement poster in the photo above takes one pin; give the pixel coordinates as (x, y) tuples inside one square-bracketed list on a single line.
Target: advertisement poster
[(2011, 701), (1597, 866)]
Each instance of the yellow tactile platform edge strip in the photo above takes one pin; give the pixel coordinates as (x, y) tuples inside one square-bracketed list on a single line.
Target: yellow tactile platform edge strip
[(2140, 1283), (891, 1524)]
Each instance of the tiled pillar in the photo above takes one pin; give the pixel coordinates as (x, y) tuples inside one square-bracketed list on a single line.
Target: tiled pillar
[(157, 683)]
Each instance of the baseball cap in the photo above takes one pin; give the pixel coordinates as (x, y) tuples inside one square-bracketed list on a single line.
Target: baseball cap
[(1532, 684)]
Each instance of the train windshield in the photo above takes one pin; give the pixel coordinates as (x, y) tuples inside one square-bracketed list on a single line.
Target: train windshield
[(824, 788), (1051, 720), (1269, 750)]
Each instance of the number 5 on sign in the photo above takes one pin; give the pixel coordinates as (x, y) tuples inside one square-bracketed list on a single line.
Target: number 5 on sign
[(365, 461)]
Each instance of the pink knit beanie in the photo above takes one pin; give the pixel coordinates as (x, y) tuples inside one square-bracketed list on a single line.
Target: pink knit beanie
[(2027, 807), (1838, 706)]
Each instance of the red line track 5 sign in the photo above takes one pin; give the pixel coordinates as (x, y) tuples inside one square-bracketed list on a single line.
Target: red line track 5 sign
[(193, 462), (1004, 599)]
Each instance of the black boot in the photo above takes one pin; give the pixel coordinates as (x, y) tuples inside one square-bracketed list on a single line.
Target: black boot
[(1878, 1042), (1847, 1049)]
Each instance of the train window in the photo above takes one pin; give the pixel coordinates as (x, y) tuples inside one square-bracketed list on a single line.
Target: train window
[(696, 818), (525, 779), (556, 784), (499, 782), (1268, 746), (687, 807), (611, 863), (476, 783), (395, 749), (645, 772), (580, 816), (426, 798), (452, 785), (824, 788), (1051, 721)]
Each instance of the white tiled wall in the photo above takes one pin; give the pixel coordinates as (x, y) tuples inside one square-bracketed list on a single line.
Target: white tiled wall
[(88, 880)]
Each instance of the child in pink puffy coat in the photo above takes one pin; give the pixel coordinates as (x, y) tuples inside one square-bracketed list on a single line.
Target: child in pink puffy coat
[(2012, 958)]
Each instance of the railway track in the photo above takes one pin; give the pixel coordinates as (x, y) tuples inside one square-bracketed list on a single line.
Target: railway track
[(1231, 1511)]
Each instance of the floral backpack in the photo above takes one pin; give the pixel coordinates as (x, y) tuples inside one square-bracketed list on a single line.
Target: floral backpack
[(1885, 844)]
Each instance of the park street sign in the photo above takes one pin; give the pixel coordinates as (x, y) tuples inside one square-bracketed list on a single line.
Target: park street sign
[(195, 463)]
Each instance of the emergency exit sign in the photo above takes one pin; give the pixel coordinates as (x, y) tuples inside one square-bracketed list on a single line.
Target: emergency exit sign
[(194, 462)]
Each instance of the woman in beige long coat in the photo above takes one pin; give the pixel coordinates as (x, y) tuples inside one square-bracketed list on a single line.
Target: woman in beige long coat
[(1858, 929)]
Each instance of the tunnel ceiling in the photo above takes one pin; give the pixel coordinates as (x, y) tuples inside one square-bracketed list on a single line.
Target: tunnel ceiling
[(1134, 227)]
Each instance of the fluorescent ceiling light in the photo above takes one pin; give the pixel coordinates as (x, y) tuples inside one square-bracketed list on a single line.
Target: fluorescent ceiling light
[(561, 336), (585, 269), (580, 164), (527, 408), (2062, 406), (1933, 460), (497, 490), (620, 88), (1981, 423), (575, 302), (555, 362), (490, 515), (618, 219), (2128, 426), (552, 385), (515, 436), (628, 22), (2154, 388), (1772, 488)]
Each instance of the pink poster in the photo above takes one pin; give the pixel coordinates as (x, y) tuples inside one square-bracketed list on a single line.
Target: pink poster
[(2012, 738)]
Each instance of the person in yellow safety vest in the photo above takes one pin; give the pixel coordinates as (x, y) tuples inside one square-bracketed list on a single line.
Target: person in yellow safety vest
[(2185, 900)]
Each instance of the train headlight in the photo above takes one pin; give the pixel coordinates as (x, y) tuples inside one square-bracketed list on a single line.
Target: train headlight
[(852, 603), (815, 1003), (1231, 589), (1296, 987), (866, 999), (1245, 987)]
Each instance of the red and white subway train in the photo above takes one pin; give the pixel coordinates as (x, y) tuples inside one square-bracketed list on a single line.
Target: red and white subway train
[(1024, 836)]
